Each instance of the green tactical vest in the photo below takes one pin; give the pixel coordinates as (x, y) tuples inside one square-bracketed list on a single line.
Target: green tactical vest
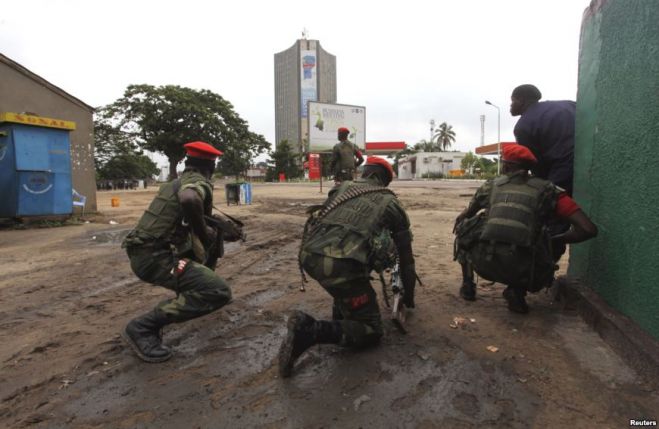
[(347, 231), (516, 208), (346, 155), (161, 221)]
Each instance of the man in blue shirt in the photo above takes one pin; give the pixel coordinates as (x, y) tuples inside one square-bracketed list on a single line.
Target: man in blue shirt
[(547, 128)]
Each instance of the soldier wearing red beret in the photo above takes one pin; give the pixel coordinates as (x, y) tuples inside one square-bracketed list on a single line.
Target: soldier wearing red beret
[(503, 233), (339, 250), (168, 248), (343, 164)]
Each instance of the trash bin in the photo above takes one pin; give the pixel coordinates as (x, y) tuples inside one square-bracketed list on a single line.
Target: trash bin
[(232, 192)]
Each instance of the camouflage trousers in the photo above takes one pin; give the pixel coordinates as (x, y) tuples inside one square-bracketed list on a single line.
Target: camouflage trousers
[(355, 301), (199, 290)]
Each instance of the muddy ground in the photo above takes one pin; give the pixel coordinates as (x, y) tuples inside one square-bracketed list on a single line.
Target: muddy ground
[(67, 292)]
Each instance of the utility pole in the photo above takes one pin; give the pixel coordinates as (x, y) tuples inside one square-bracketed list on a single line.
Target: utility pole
[(482, 130)]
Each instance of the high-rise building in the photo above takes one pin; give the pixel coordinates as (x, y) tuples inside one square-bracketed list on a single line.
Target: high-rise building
[(303, 72)]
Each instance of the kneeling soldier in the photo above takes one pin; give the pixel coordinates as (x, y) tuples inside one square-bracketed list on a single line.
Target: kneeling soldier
[(503, 234), (337, 250), (168, 248)]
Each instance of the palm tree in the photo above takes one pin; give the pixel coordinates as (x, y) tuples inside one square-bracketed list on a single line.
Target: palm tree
[(445, 136)]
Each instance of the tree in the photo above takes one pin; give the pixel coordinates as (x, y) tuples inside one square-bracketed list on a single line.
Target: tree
[(282, 160), (469, 162), (116, 155), (109, 141), (445, 136), (426, 146), (161, 119), (128, 166)]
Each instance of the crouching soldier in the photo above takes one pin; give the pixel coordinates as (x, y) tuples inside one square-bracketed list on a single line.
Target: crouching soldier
[(503, 233), (168, 248), (337, 251)]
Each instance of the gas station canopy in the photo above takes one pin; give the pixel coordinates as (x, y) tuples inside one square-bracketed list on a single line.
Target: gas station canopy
[(384, 148)]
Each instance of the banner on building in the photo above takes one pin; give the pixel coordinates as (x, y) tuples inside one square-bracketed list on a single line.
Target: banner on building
[(308, 80), (325, 119)]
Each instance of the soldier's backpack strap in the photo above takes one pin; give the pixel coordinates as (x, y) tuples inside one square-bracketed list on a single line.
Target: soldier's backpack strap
[(349, 194), (176, 185)]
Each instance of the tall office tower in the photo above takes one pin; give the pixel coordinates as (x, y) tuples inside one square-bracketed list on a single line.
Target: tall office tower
[(303, 72)]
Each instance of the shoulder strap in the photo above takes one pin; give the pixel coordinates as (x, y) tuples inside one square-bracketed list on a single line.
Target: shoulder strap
[(501, 180), (351, 193), (176, 185)]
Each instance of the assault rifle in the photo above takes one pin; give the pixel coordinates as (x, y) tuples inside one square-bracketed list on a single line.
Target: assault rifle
[(395, 288), (398, 315), (227, 228)]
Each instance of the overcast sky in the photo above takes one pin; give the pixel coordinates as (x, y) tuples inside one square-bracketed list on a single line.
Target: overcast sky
[(406, 61)]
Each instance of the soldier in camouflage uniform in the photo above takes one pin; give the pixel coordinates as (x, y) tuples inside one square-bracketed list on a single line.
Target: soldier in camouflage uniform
[(503, 233), (338, 251), (168, 248), (343, 163)]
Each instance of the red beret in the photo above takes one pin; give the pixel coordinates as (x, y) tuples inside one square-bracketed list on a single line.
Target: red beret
[(201, 150), (344, 130), (518, 154), (376, 160)]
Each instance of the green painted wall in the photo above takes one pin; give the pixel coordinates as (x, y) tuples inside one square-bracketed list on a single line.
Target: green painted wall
[(617, 156)]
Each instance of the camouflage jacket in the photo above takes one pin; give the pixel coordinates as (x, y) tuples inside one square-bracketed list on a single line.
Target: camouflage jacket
[(347, 232), (161, 224)]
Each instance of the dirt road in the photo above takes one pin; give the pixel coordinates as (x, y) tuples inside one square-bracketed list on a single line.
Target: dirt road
[(65, 294)]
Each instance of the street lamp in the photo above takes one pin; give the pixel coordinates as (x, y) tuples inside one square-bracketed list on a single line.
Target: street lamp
[(498, 136)]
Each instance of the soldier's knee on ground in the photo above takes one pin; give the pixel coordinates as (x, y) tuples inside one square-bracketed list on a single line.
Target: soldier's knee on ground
[(360, 335)]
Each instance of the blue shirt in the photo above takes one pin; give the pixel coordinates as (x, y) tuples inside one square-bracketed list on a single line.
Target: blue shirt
[(547, 129)]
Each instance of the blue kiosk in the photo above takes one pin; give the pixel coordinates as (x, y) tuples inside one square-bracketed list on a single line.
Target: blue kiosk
[(35, 166)]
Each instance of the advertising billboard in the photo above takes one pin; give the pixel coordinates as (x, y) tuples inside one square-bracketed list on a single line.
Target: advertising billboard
[(326, 118), (308, 80)]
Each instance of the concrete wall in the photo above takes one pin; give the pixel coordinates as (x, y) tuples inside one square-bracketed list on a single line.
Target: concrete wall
[(21, 93), (616, 158)]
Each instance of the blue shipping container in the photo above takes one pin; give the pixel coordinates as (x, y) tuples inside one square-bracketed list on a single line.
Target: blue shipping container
[(35, 171)]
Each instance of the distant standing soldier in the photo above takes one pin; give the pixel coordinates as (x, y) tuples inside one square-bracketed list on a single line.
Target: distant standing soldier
[(503, 234), (343, 164), (168, 247), (338, 251)]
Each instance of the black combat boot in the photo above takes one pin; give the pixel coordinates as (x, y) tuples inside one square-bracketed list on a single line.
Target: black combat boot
[(468, 291), (143, 335), (515, 298), (303, 332), (468, 288)]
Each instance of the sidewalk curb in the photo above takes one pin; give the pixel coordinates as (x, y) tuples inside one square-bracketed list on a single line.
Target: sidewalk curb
[(638, 348)]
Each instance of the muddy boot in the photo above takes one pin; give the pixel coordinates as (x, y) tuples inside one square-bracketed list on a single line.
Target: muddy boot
[(143, 335), (516, 301), (468, 291), (303, 332)]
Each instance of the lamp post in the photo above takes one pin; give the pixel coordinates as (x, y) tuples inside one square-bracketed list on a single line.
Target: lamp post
[(498, 136)]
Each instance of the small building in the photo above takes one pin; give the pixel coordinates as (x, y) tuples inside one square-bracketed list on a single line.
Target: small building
[(256, 173), (423, 165), (22, 91)]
